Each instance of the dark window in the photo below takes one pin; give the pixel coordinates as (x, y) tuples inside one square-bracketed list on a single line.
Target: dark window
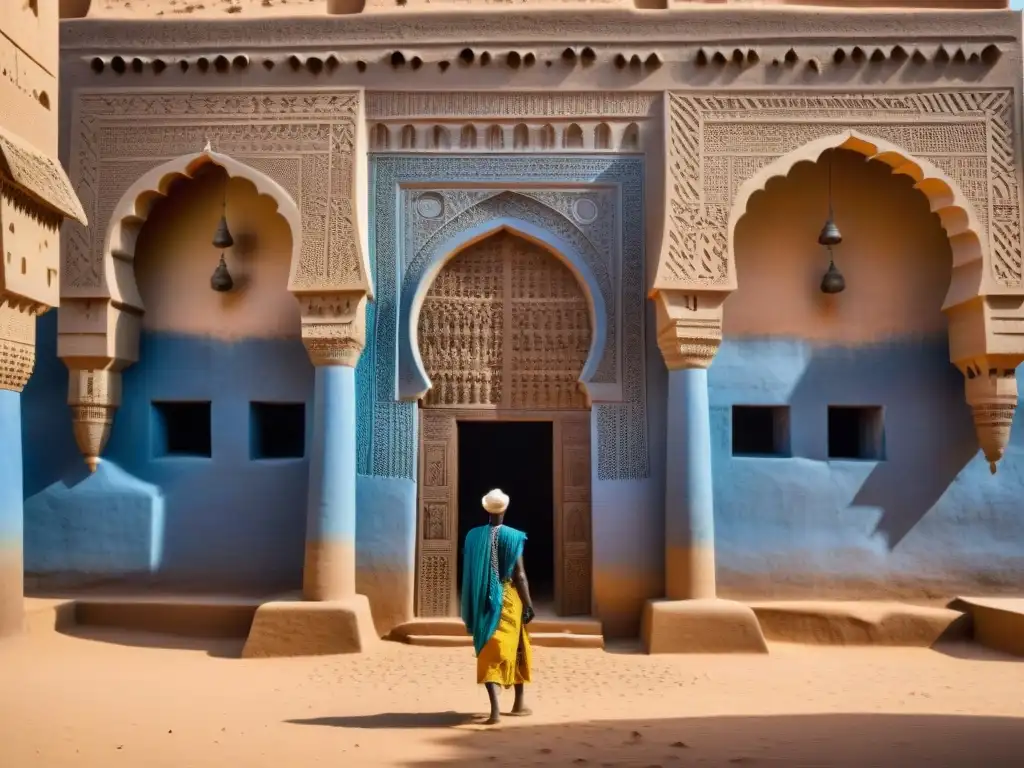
[(278, 430), (182, 429), (855, 432), (760, 430)]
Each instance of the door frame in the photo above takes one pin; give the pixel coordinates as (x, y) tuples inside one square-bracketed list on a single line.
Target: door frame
[(437, 523)]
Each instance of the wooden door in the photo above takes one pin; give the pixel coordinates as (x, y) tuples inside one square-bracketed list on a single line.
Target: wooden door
[(438, 535), (572, 515)]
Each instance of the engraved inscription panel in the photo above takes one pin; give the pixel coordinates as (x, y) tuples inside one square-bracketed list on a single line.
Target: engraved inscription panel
[(436, 541)]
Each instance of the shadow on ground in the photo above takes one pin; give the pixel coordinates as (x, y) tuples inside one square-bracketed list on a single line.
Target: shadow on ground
[(794, 741)]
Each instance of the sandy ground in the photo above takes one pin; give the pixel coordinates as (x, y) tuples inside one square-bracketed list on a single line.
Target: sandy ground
[(93, 701), (204, 9)]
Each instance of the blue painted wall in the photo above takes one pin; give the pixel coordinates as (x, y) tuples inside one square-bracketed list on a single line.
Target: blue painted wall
[(928, 518), (222, 522)]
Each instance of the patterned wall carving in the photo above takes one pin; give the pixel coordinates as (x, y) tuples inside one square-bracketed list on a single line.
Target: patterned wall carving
[(505, 324), (717, 142), (304, 140), (584, 219), (387, 427)]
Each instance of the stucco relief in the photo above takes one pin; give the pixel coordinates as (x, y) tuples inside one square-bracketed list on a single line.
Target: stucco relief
[(715, 143), (402, 193), (550, 212), (959, 147), (302, 146)]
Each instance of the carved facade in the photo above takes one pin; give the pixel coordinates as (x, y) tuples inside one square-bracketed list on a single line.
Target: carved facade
[(505, 228), (35, 197)]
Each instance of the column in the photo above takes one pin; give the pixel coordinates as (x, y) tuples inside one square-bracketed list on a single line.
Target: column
[(330, 569), (12, 581), (689, 498), (691, 619)]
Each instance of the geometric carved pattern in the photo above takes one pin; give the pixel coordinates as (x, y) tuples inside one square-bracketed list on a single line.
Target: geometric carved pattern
[(303, 140), (505, 324), (574, 529), (715, 143), (386, 427)]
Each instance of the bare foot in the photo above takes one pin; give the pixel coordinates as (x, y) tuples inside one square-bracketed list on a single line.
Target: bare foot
[(492, 720), (521, 711)]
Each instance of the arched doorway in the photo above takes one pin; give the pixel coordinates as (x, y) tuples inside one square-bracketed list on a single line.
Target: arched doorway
[(504, 333)]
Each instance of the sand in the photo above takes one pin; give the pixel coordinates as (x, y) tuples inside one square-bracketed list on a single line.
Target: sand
[(204, 9), (92, 702)]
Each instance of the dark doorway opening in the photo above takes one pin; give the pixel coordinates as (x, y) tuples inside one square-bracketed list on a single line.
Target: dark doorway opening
[(518, 457)]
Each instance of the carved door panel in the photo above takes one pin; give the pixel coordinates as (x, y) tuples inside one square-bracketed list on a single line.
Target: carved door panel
[(437, 539), (573, 541)]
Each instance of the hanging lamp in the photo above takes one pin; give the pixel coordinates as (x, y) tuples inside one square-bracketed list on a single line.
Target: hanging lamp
[(833, 280), (221, 280)]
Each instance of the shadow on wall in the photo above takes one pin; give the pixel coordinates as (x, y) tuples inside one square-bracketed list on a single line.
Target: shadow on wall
[(202, 483), (916, 507), (824, 741)]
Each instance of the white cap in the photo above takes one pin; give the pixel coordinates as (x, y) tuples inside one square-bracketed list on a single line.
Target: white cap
[(495, 502)]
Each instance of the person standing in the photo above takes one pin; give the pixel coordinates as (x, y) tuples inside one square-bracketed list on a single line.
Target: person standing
[(496, 605)]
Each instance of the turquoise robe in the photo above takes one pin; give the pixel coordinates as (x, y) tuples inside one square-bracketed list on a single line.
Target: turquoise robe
[(481, 586)]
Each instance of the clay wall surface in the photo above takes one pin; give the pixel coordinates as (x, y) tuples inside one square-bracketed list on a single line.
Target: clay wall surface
[(226, 519), (929, 518), (846, 523)]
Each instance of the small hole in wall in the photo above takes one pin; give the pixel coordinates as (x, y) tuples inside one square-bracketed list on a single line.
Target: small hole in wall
[(44, 100), (315, 65), (485, 59), (513, 59), (97, 65), (221, 64), (856, 432), (443, 65), (397, 59), (466, 55), (117, 64), (277, 430), (760, 430), (361, 65), (183, 64), (24, 265), (159, 66), (10, 227), (203, 64), (529, 59), (182, 429), (137, 65), (416, 62), (268, 64)]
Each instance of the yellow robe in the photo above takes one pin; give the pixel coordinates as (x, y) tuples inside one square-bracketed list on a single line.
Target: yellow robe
[(507, 658)]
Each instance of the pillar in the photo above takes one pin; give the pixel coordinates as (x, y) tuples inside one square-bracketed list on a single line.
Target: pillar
[(12, 581), (17, 359), (331, 617), (691, 618), (689, 499), (330, 568)]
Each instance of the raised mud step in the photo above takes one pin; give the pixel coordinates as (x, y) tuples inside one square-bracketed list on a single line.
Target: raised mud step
[(842, 622), (190, 616), (998, 622), (545, 632)]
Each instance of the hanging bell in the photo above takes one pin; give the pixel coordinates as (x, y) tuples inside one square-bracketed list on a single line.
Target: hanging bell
[(221, 280), (222, 237), (830, 234), (833, 281)]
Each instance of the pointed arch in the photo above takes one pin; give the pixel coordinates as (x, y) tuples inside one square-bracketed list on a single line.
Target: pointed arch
[(415, 381), (133, 209), (960, 221)]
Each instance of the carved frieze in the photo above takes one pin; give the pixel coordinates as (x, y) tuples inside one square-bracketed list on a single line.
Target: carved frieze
[(303, 140), (716, 142), (423, 200)]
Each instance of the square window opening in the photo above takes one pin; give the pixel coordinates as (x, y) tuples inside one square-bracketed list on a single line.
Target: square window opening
[(182, 429), (856, 432), (277, 431), (760, 430)]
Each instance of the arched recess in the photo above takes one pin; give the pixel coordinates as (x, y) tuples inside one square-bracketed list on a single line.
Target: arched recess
[(98, 344), (988, 364), (443, 252), (970, 251)]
